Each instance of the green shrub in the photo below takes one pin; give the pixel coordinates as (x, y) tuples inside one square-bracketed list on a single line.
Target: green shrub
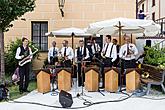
[(155, 57)]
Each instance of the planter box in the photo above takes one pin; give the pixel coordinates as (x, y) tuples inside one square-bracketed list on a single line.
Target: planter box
[(155, 73)]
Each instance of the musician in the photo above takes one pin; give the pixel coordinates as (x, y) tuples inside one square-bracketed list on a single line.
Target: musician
[(81, 54), (89, 47), (95, 48), (116, 62), (53, 54), (109, 55), (23, 52), (109, 52), (127, 53), (67, 54)]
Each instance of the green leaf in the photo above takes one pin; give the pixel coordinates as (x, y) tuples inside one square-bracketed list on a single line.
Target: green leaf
[(154, 56), (10, 10)]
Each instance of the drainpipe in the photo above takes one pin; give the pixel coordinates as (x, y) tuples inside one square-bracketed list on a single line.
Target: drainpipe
[(136, 9), (159, 9)]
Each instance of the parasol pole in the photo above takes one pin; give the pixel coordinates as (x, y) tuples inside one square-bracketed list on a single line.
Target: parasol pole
[(120, 27), (131, 37), (120, 70), (73, 61), (72, 35), (120, 31)]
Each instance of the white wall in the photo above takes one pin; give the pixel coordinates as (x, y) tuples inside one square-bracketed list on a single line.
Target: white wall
[(159, 8), (162, 7), (140, 43)]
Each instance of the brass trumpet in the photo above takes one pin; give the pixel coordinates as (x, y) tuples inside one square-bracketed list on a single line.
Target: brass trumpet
[(103, 55), (129, 51), (145, 75), (62, 58)]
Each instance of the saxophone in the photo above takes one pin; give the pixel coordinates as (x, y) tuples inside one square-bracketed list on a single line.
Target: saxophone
[(27, 59)]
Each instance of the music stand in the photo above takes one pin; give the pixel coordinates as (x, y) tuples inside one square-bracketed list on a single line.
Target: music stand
[(111, 79), (124, 70), (99, 61), (53, 80), (82, 79)]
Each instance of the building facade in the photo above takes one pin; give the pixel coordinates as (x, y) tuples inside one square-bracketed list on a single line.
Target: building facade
[(46, 17), (154, 8)]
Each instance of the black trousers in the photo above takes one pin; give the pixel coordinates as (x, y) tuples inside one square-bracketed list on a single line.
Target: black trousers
[(107, 62), (67, 63), (81, 77), (125, 64), (116, 63), (53, 60), (128, 63), (97, 58), (24, 76)]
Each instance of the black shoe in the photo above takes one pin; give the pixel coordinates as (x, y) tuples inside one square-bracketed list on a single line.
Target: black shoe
[(26, 90), (21, 91), (79, 84), (102, 87)]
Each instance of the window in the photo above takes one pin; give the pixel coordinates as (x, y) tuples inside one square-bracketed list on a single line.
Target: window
[(153, 2), (143, 7), (38, 35), (148, 43), (153, 16)]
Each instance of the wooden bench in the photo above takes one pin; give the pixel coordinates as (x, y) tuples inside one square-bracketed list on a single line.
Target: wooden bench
[(156, 77)]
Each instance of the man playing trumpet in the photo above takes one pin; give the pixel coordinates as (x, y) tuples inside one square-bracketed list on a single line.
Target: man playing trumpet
[(128, 53)]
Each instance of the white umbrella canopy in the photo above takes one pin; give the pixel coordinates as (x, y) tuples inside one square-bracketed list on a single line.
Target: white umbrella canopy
[(68, 32), (128, 26)]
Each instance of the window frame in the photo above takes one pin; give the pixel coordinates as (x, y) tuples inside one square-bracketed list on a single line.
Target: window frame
[(40, 36), (153, 16), (153, 3), (143, 7)]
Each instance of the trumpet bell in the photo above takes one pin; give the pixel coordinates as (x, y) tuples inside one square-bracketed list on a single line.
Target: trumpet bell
[(145, 75)]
